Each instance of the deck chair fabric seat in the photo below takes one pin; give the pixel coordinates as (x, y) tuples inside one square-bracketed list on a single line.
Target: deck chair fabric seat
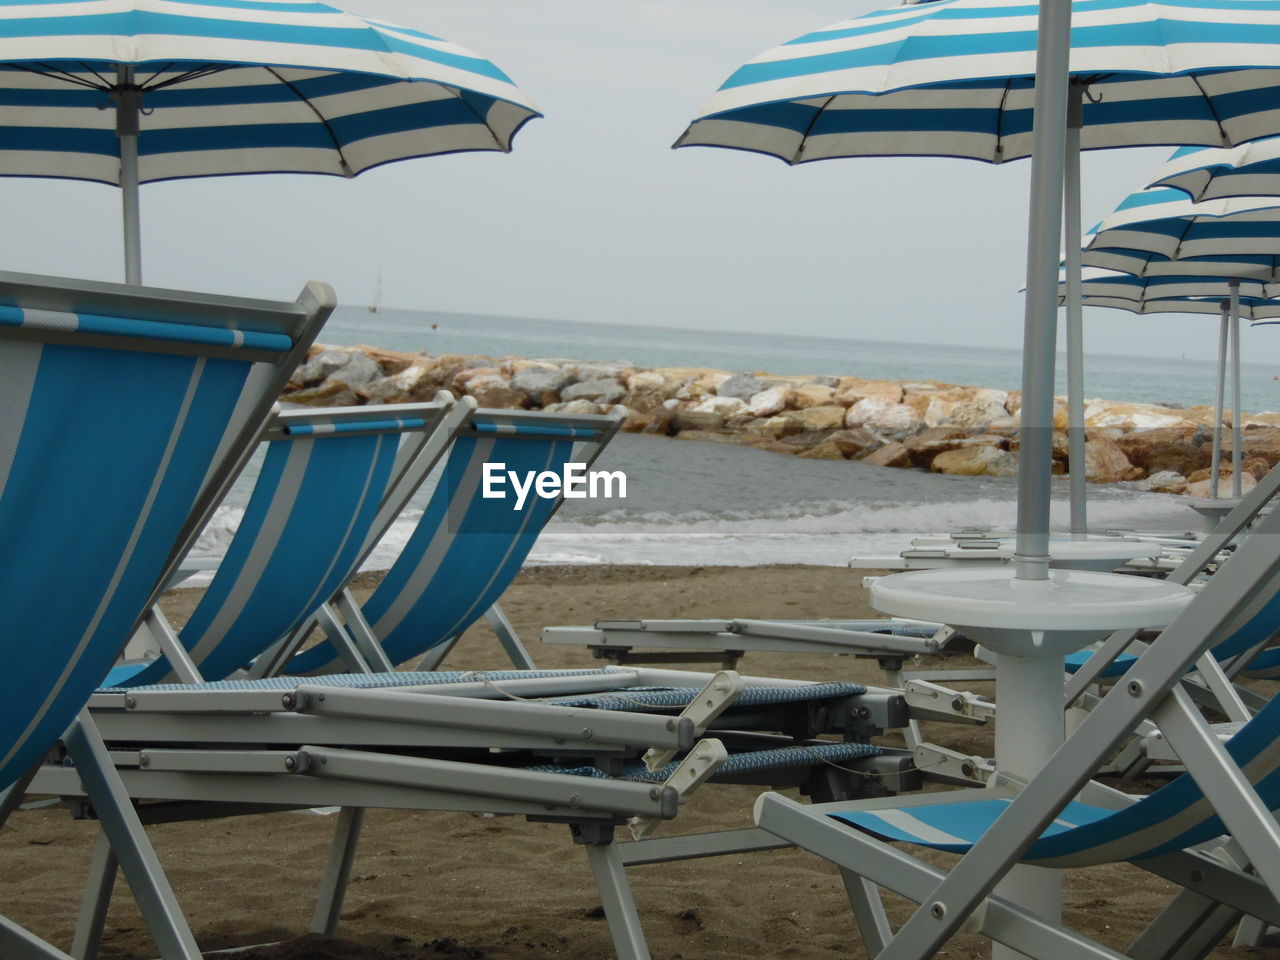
[(467, 548), (108, 447), (126, 412), (304, 532)]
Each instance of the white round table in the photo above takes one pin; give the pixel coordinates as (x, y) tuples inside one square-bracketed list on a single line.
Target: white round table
[(1030, 625)]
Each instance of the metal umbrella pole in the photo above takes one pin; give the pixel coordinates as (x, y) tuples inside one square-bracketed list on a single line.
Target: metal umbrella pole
[(1215, 463), (1236, 457), (128, 98), (1076, 440), (1039, 343)]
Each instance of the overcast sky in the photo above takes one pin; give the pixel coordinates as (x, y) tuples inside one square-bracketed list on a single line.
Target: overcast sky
[(593, 217)]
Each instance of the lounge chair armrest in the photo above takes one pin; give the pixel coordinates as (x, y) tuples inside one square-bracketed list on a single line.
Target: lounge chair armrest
[(563, 726), (694, 770)]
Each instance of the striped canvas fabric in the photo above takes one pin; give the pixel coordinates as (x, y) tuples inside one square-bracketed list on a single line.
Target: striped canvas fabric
[(102, 456), (889, 82), (466, 549), (1208, 173), (1162, 233), (238, 86)]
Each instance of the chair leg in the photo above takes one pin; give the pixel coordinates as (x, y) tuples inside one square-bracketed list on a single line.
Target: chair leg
[(337, 872), (432, 658), (19, 944), (97, 899), (156, 900), (11, 798), (1187, 929), (619, 905), (509, 639), (868, 910)]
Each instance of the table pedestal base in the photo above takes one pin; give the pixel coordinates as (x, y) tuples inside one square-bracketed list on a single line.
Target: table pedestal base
[(1024, 686)]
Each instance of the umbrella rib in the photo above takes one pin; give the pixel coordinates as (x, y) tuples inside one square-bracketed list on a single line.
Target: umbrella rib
[(1208, 102), (54, 74), (795, 158), (337, 146), (207, 70), (1004, 99)]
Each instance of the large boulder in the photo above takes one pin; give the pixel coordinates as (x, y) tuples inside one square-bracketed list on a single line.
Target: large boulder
[(709, 413), (600, 371), (494, 390), (969, 407), (878, 414), (769, 402), (604, 391), (347, 366), (1105, 462), (849, 390), (827, 417), (1165, 481), (574, 407), (813, 395), (857, 442), (976, 461), (892, 454), (1131, 416), (928, 443), (410, 383), (703, 384), (744, 386), (541, 382), (826, 450), (773, 428), (1164, 449)]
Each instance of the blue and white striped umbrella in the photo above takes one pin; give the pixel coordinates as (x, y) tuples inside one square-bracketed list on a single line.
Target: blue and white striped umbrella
[(1161, 233), (1214, 173), (213, 87), (890, 82), (1200, 294), (958, 78)]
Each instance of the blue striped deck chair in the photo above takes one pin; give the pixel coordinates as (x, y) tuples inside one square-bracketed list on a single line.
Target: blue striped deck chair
[(1059, 818), (126, 412), (466, 548), (308, 525)]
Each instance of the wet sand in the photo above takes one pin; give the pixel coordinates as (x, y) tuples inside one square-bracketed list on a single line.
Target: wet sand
[(430, 885)]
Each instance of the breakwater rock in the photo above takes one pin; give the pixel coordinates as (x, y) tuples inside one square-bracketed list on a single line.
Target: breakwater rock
[(929, 425)]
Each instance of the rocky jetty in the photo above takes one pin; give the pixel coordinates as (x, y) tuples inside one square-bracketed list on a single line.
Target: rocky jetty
[(967, 431)]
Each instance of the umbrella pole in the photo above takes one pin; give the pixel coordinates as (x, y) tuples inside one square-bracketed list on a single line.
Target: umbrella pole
[(128, 108), (1237, 455), (1040, 323), (1215, 464), (1076, 450)]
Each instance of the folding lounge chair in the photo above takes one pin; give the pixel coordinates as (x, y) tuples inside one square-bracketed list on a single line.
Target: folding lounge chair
[(330, 483), (128, 410), (464, 553), (1059, 819), (441, 741)]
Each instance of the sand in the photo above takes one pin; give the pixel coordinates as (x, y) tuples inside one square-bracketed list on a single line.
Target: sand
[(429, 885)]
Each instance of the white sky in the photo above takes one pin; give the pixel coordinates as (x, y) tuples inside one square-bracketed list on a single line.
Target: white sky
[(593, 217)]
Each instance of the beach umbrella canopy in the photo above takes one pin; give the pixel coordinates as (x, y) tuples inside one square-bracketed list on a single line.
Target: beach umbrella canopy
[(1102, 285), (965, 68), (957, 78), (1207, 173), (1161, 232), (132, 91)]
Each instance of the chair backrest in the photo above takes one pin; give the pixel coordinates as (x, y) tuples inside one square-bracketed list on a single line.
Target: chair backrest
[(467, 548), (124, 411), (304, 532)]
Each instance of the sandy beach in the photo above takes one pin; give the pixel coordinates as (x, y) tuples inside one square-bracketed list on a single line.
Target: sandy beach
[(449, 885)]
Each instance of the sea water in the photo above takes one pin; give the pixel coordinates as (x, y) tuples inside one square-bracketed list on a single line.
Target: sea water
[(691, 502)]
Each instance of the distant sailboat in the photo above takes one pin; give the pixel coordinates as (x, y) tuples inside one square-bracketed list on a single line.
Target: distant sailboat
[(376, 306)]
